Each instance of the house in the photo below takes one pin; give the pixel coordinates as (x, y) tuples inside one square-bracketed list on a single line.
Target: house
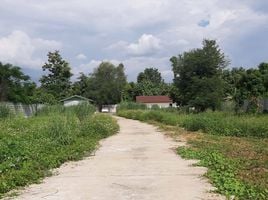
[(75, 100), (161, 101)]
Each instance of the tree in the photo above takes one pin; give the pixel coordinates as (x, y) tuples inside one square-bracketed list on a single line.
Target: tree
[(263, 68), (80, 87), (198, 76), (106, 84), (150, 74), (250, 85), (15, 86), (57, 80), (129, 92), (148, 88), (150, 82)]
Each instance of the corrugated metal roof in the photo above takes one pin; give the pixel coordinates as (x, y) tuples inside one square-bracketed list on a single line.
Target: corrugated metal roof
[(76, 97)]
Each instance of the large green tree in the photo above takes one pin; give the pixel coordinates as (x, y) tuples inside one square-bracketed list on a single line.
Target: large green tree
[(80, 87), (263, 68), (250, 85), (56, 81), (198, 76), (150, 74), (15, 86), (106, 84), (150, 82)]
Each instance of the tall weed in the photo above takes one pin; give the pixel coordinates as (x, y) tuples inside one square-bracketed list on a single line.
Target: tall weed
[(30, 147), (217, 123), (5, 112)]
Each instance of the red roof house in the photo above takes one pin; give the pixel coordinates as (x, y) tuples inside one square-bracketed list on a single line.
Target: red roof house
[(153, 99), (161, 101)]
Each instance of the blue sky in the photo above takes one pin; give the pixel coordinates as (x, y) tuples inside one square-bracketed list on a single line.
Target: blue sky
[(140, 33)]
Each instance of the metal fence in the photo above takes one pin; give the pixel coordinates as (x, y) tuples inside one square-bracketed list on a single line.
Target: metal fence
[(22, 109)]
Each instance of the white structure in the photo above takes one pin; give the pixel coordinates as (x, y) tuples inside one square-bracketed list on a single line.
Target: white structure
[(109, 108), (75, 100), (161, 101)]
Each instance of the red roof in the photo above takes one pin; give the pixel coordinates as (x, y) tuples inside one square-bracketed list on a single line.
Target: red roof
[(153, 99)]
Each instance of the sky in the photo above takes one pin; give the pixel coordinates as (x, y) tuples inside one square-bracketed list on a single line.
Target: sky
[(137, 33)]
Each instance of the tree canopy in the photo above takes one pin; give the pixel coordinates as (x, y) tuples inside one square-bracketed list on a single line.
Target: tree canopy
[(247, 84), (105, 85), (197, 75), (57, 80), (15, 86), (151, 75)]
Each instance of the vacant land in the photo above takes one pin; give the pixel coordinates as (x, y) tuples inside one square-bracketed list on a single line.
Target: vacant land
[(29, 148), (138, 163), (238, 165)]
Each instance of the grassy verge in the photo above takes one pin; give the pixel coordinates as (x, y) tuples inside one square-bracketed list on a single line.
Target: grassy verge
[(237, 166), (217, 123), (29, 148)]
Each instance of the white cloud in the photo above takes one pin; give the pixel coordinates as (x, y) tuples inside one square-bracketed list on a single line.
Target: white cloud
[(147, 44), (89, 26), (19, 48), (81, 56)]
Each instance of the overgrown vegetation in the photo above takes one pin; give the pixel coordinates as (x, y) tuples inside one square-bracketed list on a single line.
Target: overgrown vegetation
[(131, 106), (237, 165), (5, 112), (217, 123), (29, 148)]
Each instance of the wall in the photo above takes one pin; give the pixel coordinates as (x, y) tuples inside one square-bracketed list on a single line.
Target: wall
[(19, 108), (161, 105)]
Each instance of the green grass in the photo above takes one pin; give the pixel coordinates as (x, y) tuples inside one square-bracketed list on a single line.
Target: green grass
[(231, 165), (131, 106), (29, 148), (217, 123), (233, 148)]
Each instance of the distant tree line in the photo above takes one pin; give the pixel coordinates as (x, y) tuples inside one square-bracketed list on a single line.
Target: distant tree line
[(201, 80)]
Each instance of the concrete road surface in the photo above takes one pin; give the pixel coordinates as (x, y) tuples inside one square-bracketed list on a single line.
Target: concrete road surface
[(139, 163)]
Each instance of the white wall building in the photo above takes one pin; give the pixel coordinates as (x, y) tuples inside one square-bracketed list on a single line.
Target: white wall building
[(161, 101)]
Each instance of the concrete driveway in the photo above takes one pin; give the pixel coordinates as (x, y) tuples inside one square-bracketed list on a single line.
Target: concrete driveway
[(139, 163)]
